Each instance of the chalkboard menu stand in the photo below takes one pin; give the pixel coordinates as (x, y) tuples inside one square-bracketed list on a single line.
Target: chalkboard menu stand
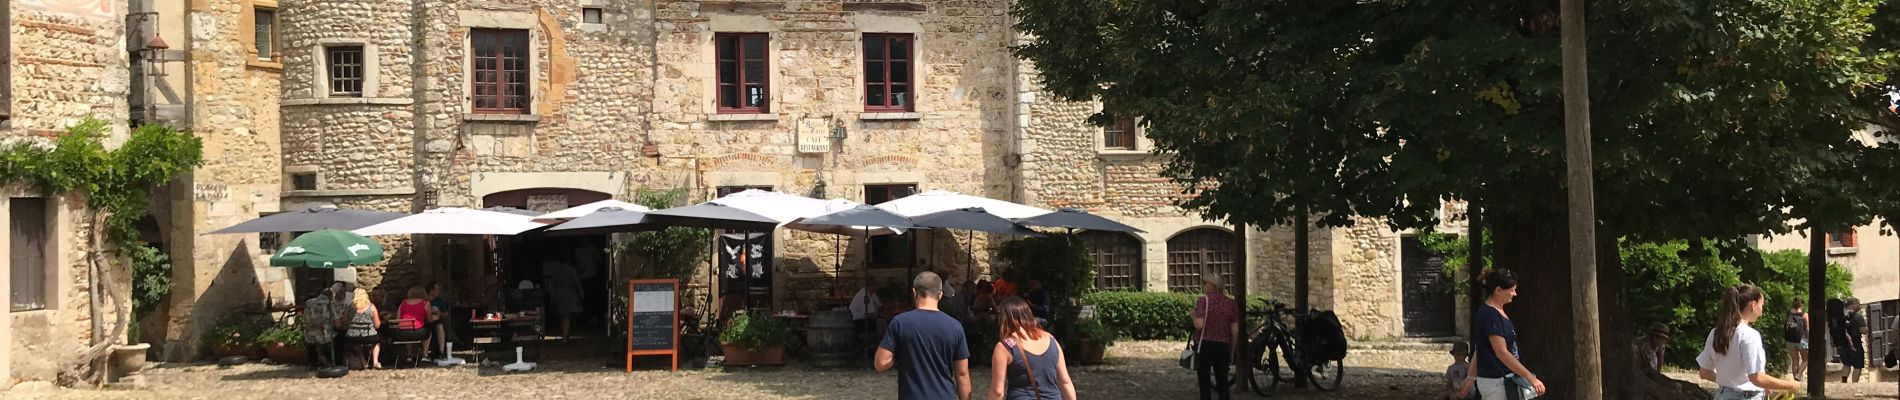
[(653, 320)]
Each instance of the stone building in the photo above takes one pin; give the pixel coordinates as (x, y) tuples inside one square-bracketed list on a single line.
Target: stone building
[(404, 106), (219, 78), (65, 64)]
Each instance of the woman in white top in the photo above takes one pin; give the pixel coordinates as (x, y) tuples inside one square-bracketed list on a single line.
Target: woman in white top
[(1733, 356)]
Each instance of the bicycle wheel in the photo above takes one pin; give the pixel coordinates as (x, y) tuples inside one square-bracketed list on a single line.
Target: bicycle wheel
[(1266, 360), (1326, 375)]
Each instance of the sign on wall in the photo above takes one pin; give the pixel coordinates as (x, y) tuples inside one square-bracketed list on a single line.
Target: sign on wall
[(546, 203)]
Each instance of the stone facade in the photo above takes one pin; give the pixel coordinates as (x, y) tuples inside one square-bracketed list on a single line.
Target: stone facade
[(212, 82), (66, 65), (629, 104)]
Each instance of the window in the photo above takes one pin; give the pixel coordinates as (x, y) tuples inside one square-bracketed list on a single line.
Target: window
[(1843, 239), (728, 190), (303, 181), (1117, 260), (1197, 251), (500, 84), (26, 261), (346, 70), (264, 27), (887, 72), (590, 15), (1119, 136), (744, 82), (891, 251)]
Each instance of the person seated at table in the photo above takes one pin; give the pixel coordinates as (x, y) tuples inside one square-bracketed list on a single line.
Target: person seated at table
[(362, 332), (412, 317), (438, 326), (983, 303)]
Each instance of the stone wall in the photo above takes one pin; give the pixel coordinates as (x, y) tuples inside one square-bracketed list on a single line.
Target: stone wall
[(67, 65)]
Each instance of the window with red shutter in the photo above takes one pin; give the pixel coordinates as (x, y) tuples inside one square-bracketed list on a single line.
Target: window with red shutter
[(745, 85), (888, 72), (499, 84)]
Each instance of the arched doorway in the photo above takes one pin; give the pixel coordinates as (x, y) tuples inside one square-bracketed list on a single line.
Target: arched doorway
[(1118, 260), (1201, 249)]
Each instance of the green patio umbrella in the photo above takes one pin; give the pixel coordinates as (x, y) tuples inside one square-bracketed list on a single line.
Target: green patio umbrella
[(328, 248)]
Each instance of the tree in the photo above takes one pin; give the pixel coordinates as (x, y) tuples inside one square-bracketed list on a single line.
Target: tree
[(1715, 119)]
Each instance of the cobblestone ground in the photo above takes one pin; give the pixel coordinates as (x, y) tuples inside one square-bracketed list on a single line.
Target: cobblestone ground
[(1142, 370)]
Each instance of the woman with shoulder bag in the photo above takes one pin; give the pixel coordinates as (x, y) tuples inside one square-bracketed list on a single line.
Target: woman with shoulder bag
[(1218, 322), (1733, 356), (1499, 373), (1028, 363)]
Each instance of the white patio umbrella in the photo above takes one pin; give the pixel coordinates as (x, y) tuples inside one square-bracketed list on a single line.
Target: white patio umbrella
[(936, 201), (589, 208), (941, 200), (780, 207), (454, 221)]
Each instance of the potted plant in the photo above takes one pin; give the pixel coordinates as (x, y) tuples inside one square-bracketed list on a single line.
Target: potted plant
[(749, 340), (1092, 341), (236, 335), (283, 343)]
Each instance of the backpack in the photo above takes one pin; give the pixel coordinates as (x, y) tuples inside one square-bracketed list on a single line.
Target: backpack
[(1327, 336), (1794, 330)]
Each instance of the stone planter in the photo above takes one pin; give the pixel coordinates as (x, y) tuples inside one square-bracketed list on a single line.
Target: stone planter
[(740, 356), (129, 359), (286, 353)]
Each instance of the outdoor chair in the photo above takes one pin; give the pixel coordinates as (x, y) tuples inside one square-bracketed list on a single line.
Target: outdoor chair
[(411, 337)]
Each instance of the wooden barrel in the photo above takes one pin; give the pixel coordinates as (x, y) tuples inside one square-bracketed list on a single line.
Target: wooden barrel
[(832, 338)]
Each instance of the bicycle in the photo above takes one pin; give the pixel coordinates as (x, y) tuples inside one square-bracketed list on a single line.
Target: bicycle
[(1281, 357)]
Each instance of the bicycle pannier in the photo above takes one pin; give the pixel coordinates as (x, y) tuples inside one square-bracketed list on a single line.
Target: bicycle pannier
[(1326, 335)]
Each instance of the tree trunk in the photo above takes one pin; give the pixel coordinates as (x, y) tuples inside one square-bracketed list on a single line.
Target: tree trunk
[(1536, 248), (1817, 315)]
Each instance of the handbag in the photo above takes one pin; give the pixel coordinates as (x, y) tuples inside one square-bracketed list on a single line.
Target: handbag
[(1187, 354), (1518, 388)]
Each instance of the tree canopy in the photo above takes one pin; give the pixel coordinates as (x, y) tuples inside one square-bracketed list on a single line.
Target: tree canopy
[(1711, 118)]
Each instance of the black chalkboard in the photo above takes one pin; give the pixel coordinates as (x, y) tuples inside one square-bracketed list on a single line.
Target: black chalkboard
[(654, 317)]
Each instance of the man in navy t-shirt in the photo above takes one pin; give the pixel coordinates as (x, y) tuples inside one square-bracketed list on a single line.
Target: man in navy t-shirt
[(927, 347)]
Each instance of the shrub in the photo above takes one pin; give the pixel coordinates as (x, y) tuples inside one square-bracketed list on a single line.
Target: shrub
[(1059, 261), (1094, 331), (286, 333), (1151, 315), (237, 329), (755, 333), (151, 278)]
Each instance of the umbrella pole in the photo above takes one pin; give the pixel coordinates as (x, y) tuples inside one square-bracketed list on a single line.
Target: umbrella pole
[(837, 263), (745, 270), (867, 259), (970, 255), (712, 273)]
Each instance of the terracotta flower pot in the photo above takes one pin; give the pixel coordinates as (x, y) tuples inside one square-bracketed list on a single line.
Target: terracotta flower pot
[(1091, 353), (286, 353), (739, 355)]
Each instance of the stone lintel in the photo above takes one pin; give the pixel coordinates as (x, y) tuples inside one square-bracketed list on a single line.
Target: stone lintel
[(742, 117), (394, 101), (891, 116)]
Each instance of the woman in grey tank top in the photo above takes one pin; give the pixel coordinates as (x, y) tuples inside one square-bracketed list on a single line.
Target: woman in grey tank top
[(1028, 363)]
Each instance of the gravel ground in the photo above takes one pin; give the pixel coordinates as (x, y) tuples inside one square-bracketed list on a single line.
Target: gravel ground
[(1135, 370)]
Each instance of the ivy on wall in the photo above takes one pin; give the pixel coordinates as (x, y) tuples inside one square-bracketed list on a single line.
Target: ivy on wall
[(116, 185)]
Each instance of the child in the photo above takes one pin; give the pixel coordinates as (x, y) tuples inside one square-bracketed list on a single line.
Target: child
[(1455, 374)]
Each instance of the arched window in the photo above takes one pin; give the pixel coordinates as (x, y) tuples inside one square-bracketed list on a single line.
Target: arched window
[(1203, 249), (1117, 260)]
